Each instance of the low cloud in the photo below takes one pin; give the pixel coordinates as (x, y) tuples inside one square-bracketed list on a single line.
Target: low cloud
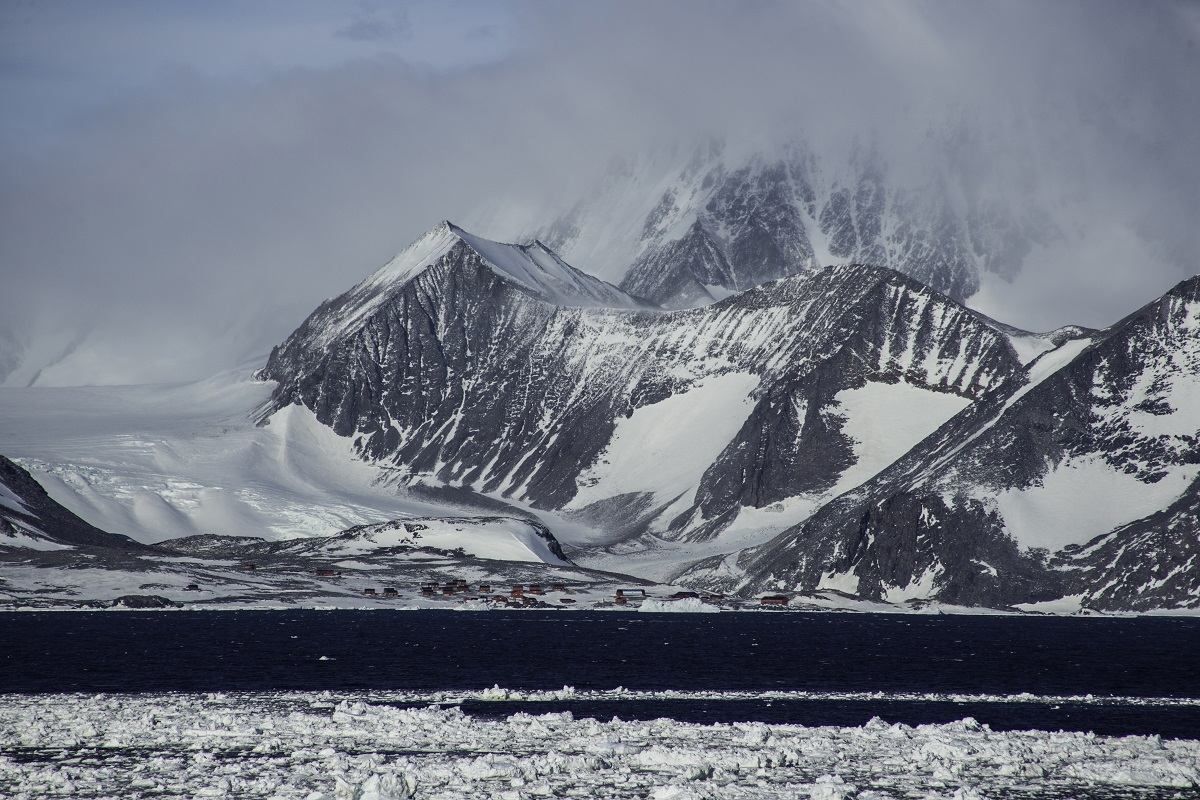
[(220, 205), (378, 22)]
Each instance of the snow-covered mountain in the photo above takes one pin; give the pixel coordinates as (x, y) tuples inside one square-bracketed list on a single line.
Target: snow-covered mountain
[(848, 429), (1079, 480), (456, 373), (716, 423), (685, 226), (530, 268), (898, 444)]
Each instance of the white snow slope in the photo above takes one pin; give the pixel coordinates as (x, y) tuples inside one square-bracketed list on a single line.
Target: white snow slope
[(158, 462), (664, 447)]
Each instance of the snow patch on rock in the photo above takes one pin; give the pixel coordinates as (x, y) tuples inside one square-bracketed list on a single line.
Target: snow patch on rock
[(664, 448), (1082, 499)]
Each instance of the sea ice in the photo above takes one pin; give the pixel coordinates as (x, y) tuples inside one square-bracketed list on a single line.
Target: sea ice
[(326, 746)]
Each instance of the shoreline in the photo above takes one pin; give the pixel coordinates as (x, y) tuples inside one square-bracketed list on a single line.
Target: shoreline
[(956, 611)]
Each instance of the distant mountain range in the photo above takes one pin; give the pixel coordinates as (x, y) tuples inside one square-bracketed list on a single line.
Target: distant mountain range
[(848, 428), (778, 388)]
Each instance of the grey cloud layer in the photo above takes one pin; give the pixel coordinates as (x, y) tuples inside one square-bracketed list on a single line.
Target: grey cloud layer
[(221, 209)]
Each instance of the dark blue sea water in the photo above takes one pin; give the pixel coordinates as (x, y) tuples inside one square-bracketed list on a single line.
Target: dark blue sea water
[(994, 656)]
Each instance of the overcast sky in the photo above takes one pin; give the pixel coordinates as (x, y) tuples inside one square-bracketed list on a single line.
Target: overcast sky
[(186, 180)]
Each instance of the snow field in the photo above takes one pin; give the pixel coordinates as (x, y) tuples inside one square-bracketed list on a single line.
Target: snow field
[(1084, 498), (319, 746), (886, 420), (158, 462), (664, 448)]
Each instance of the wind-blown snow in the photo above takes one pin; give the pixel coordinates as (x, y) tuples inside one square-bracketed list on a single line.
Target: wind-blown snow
[(1030, 346), (322, 746), (612, 221)]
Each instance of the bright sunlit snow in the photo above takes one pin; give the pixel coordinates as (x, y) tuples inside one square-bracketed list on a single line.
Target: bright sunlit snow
[(158, 462)]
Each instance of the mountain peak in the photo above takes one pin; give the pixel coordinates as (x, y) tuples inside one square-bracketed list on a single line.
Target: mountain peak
[(532, 269), (539, 270)]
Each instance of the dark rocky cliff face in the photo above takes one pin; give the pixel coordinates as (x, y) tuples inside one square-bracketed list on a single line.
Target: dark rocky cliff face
[(1122, 406), (682, 273), (793, 442), (733, 227), (447, 380), (1150, 563)]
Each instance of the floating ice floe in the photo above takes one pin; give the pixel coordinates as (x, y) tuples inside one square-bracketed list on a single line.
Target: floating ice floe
[(687, 605)]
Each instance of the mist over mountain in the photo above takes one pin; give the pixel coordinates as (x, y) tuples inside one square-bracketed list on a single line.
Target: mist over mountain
[(168, 206)]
